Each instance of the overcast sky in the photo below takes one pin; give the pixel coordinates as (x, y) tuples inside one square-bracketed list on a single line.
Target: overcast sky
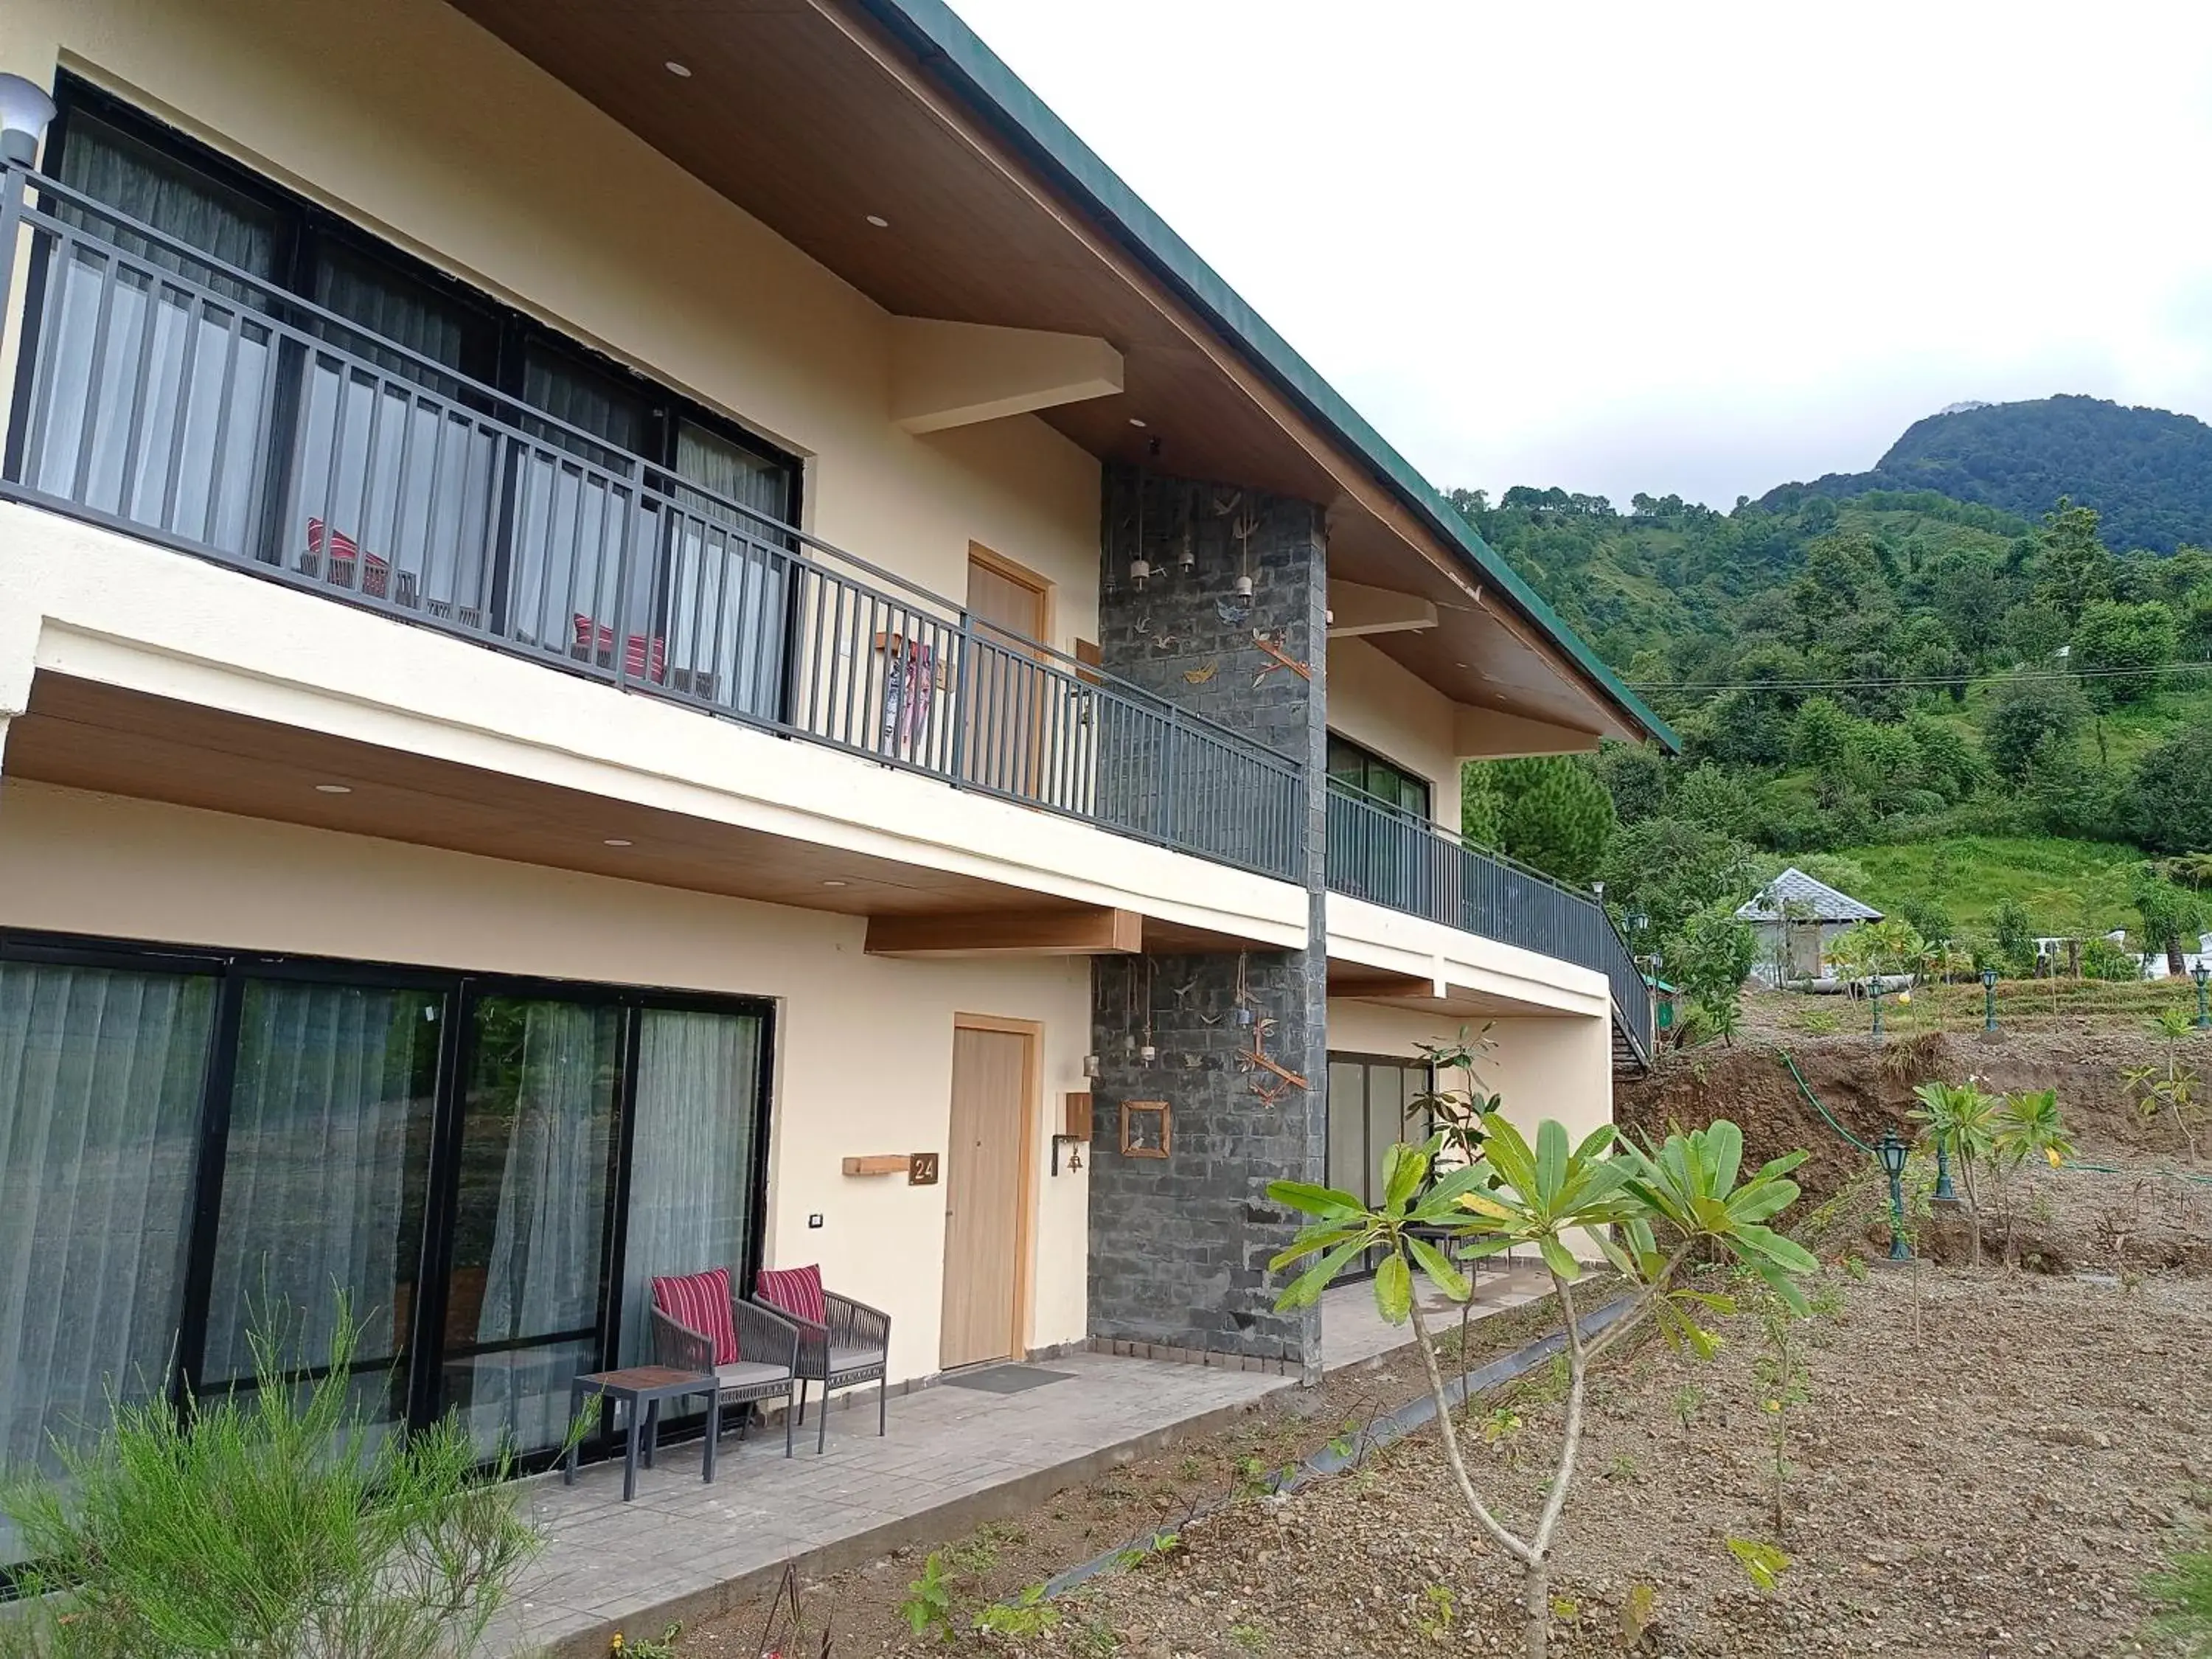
[(1687, 247)]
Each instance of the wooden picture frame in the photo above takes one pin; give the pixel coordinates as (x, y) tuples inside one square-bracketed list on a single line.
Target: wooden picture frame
[(1147, 1128)]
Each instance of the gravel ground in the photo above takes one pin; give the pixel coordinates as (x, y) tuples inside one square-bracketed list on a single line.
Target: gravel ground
[(1996, 1484), (1984, 1462)]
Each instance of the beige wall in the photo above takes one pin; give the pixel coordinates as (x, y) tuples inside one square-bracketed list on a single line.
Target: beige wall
[(864, 1045), (1383, 706), (408, 119), (1544, 1067)]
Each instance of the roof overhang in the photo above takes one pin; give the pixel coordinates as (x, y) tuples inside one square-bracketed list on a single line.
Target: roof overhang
[(814, 115)]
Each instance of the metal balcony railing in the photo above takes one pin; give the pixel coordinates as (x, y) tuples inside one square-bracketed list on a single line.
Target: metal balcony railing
[(1388, 856), (167, 394)]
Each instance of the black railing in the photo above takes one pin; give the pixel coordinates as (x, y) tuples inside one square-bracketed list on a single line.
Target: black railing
[(1388, 856), (167, 394)]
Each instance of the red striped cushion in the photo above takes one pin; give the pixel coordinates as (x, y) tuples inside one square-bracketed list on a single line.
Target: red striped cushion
[(597, 641), (702, 1302), (376, 575), (797, 1291)]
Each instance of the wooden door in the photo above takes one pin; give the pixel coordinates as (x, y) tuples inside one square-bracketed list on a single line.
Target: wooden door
[(985, 1163), (1007, 693)]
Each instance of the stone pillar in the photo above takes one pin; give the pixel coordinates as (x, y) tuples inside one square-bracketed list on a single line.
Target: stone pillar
[(1179, 1245)]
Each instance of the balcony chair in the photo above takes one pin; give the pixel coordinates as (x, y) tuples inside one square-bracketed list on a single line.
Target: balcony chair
[(697, 1320), (841, 1342)]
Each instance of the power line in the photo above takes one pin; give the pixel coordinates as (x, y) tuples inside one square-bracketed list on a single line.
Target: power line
[(1912, 682)]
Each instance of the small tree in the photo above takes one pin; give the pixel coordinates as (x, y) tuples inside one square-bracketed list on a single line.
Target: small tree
[(277, 1521), (2175, 1092), (1647, 1211), (1711, 963), (1962, 1120), (2025, 1127), (2170, 913)]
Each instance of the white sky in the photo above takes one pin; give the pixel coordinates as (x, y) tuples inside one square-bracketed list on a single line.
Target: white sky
[(1683, 246)]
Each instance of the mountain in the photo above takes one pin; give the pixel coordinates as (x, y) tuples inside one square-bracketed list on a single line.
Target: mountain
[(2146, 471)]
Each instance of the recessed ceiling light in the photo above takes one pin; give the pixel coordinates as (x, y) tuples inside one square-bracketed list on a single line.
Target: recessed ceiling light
[(615, 841), (880, 221), (836, 883), (334, 789), (1136, 420), (681, 72)]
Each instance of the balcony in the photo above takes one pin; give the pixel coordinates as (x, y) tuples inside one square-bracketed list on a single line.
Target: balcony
[(166, 394), (1386, 856)]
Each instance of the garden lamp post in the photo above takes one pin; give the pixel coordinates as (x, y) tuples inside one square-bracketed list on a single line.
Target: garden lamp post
[(2202, 972), (1892, 1152), (1945, 1193), (1989, 999), (1874, 996)]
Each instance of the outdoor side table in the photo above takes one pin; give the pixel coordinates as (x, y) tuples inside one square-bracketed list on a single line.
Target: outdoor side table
[(641, 1388)]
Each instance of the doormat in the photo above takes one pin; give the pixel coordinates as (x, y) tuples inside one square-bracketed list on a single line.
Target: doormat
[(1007, 1379)]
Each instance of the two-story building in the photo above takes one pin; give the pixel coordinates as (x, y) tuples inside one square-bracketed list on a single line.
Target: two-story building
[(615, 618)]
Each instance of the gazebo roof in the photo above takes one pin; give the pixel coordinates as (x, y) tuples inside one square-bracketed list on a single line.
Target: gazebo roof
[(1796, 896)]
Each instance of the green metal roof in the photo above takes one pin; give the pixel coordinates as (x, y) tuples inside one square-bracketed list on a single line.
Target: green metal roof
[(949, 49)]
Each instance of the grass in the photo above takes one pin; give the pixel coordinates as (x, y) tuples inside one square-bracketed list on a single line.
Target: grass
[(2068, 888)]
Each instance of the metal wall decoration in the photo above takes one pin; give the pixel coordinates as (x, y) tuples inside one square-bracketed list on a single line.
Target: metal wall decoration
[(1147, 1130), (1272, 644)]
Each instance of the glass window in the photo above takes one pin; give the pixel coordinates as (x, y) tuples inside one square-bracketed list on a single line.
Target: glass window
[(1370, 774), (325, 1166), (100, 1079), (527, 1285), (694, 1156)]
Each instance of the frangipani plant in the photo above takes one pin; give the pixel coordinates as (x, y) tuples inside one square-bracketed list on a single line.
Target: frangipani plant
[(1962, 1120), (1647, 1211)]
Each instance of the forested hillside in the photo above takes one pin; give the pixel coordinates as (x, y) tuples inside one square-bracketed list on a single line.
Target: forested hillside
[(2146, 471), (1925, 692)]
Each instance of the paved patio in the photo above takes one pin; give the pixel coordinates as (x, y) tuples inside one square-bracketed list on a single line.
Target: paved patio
[(956, 1457), (1352, 1331)]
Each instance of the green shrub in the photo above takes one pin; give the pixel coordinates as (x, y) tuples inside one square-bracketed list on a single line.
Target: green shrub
[(2102, 959), (269, 1523)]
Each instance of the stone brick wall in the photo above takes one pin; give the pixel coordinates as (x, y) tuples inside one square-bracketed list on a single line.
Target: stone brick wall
[(1179, 1246)]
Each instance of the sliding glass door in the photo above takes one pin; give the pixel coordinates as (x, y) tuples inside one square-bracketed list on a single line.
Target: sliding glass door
[(100, 1083), (696, 1155), (525, 1294), (199, 1150), (327, 1155)]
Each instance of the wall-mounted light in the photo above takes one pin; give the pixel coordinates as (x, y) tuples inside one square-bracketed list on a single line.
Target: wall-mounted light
[(25, 109)]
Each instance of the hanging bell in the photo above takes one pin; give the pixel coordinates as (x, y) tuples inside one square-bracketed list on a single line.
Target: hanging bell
[(1091, 1066), (1187, 560), (1243, 587), (1244, 1016), (1147, 1054), (1075, 1156), (1140, 572)]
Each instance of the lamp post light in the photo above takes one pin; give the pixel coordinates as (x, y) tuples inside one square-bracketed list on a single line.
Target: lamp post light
[(2202, 972), (1893, 1151), (1989, 999), (1945, 1193), (1874, 996), (25, 109)]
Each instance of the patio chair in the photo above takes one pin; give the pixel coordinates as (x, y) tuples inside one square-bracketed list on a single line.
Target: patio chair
[(841, 1343), (764, 1343)]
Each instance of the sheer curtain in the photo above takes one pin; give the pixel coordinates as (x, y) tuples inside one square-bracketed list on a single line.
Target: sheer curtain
[(327, 1160), (572, 525), (207, 362), (393, 487), (100, 1075), (693, 1155), (533, 1208), (726, 594)]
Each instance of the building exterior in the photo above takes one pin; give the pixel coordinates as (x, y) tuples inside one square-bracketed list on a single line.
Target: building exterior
[(614, 621), (1797, 920)]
